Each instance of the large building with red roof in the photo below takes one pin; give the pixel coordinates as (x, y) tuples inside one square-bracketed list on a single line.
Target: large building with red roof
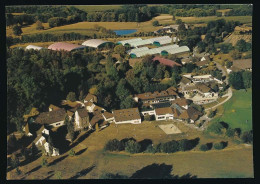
[(166, 62)]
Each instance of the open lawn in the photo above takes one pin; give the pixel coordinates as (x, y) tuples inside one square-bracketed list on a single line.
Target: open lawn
[(90, 160), (237, 112)]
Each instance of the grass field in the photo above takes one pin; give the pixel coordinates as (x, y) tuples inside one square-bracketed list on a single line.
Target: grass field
[(237, 110), (92, 161)]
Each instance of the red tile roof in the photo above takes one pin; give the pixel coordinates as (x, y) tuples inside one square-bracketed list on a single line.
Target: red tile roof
[(166, 62), (65, 46)]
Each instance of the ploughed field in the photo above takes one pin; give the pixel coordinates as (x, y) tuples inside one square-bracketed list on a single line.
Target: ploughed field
[(91, 161)]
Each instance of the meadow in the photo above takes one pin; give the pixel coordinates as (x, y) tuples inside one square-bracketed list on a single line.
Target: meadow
[(91, 161), (237, 112)]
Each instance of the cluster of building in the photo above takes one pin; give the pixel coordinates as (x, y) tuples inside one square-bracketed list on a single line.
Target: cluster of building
[(199, 88), (162, 105)]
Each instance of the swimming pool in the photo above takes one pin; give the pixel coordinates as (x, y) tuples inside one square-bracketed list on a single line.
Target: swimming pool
[(124, 31)]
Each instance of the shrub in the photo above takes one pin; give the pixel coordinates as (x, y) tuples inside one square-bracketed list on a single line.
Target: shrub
[(58, 175), (132, 147), (150, 149), (230, 132), (204, 147), (72, 153), (44, 162), (219, 145), (170, 147), (114, 145), (155, 23), (185, 145), (215, 127), (247, 137), (212, 113), (147, 117)]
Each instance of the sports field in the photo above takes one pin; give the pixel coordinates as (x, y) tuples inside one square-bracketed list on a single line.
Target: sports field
[(237, 112)]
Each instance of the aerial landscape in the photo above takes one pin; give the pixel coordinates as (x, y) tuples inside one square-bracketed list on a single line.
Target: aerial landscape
[(129, 91)]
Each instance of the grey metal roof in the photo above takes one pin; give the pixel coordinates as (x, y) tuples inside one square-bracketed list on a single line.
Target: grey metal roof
[(94, 42), (34, 47)]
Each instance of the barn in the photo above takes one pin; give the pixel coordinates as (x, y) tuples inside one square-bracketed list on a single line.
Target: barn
[(97, 43), (65, 46)]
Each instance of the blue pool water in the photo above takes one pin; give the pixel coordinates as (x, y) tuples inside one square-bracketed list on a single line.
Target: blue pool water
[(124, 31)]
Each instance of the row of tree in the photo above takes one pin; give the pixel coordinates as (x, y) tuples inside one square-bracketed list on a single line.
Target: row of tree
[(240, 80)]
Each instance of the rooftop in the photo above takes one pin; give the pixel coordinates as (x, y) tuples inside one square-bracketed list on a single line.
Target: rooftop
[(164, 110), (166, 62), (241, 64), (51, 117), (94, 43), (126, 114), (65, 46)]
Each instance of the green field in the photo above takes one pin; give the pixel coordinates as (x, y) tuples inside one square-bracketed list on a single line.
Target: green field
[(237, 110)]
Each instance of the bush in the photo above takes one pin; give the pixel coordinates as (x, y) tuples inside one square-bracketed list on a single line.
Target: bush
[(247, 137), (44, 162), (147, 117), (114, 145), (150, 149), (230, 132), (204, 147), (170, 147), (132, 147), (71, 96), (215, 127), (155, 23), (72, 153), (219, 146)]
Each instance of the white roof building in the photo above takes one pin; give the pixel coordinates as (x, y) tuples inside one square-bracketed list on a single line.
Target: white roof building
[(34, 47), (94, 43), (123, 42)]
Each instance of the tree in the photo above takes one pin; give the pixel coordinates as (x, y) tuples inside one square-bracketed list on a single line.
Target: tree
[(228, 64), (114, 145), (204, 147), (93, 90), (178, 21), (71, 96), (212, 113), (241, 45), (247, 137), (166, 74), (132, 146), (155, 23), (226, 47), (120, 49), (39, 25), (17, 30), (215, 127), (70, 127), (247, 79), (181, 27), (219, 146), (128, 102), (235, 54), (236, 80), (170, 147)]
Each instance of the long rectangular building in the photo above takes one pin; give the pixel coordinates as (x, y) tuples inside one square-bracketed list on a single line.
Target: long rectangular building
[(131, 115)]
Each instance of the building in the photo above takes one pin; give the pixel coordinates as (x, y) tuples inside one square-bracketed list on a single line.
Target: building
[(33, 47), (157, 97), (190, 115), (90, 98), (53, 118), (164, 113), (131, 115), (166, 62), (53, 107), (202, 63), (81, 119), (128, 42), (182, 102), (96, 43), (109, 117), (91, 107), (185, 81), (65, 46), (41, 141)]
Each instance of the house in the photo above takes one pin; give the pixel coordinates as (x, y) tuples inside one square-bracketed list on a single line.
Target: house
[(91, 107), (98, 118), (131, 115), (53, 118), (41, 141), (43, 131), (157, 97), (53, 107), (166, 62), (185, 81), (190, 115), (186, 60), (242, 64), (182, 102), (90, 98), (164, 113), (81, 119), (109, 117), (202, 63)]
